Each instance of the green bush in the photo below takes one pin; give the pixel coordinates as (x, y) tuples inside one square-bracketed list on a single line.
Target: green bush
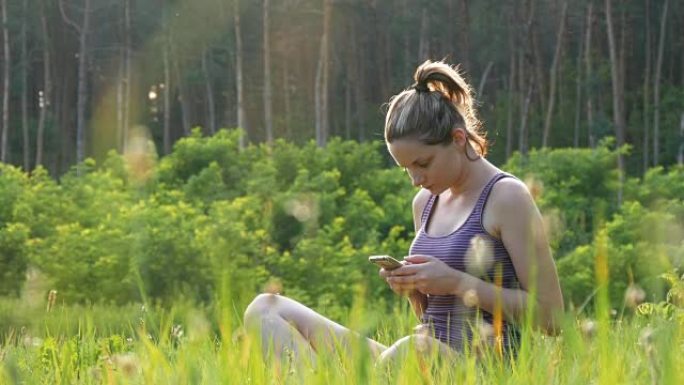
[(211, 217)]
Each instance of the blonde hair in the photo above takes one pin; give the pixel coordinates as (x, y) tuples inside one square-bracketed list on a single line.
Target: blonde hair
[(439, 101)]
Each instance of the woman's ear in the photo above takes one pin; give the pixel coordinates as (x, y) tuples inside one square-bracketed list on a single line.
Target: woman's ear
[(459, 136)]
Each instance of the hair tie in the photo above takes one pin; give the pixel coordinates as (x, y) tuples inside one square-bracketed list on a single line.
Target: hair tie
[(421, 87)]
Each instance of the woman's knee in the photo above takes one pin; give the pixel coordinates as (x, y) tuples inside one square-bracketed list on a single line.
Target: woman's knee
[(261, 306)]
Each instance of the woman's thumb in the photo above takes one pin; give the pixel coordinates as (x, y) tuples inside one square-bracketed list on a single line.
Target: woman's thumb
[(417, 258)]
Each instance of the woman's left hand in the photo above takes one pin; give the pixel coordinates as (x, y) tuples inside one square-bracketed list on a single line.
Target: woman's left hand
[(426, 274)]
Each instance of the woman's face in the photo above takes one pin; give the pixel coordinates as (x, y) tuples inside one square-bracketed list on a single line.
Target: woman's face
[(432, 167)]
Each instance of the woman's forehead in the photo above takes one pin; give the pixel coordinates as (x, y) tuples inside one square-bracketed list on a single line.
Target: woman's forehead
[(406, 151)]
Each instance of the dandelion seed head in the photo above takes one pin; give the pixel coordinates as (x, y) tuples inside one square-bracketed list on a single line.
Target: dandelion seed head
[(634, 296), (303, 208), (127, 363), (646, 336), (470, 298), (273, 286), (140, 154), (480, 256), (588, 328), (177, 332), (535, 186), (198, 326)]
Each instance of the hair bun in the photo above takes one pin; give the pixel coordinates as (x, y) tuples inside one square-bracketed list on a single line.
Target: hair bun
[(421, 87)]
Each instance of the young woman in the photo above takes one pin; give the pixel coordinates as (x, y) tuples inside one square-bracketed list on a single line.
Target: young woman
[(480, 248)]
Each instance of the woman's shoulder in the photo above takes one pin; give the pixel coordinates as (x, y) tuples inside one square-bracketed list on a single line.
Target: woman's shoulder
[(510, 194), (420, 200), (509, 203)]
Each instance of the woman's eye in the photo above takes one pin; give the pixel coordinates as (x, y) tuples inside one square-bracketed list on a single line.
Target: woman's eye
[(423, 165)]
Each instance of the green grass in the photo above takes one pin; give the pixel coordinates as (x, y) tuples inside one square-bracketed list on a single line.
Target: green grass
[(184, 344)]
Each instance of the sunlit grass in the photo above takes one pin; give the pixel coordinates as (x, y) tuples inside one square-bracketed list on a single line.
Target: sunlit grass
[(185, 344)]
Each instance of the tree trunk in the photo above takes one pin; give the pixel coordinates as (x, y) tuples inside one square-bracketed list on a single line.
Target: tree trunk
[(286, 97), (578, 92), (618, 95), (321, 89), (46, 97), (464, 34), (241, 118), (522, 138), (680, 154), (424, 46), (646, 87), (347, 109), (656, 86), (211, 111), (268, 100), (24, 90), (554, 76), (483, 80), (589, 76), (6, 82), (182, 91), (511, 101), (82, 98), (127, 73), (405, 37), (357, 80), (82, 94), (166, 47), (120, 98), (538, 66)]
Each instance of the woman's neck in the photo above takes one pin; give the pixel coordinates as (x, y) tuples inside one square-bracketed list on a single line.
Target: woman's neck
[(476, 174)]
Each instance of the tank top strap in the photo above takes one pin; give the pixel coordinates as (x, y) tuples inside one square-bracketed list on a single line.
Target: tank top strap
[(484, 196), (427, 210)]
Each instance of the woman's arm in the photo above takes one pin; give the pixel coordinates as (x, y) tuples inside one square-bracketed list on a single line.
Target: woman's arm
[(513, 217), (417, 299)]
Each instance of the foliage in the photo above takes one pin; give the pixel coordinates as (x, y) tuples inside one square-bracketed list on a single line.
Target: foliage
[(300, 219)]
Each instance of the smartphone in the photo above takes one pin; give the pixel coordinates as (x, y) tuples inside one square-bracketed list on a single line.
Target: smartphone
[(385, 261)]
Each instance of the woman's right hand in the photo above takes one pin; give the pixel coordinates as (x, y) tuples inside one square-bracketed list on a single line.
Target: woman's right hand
[(399, 289)]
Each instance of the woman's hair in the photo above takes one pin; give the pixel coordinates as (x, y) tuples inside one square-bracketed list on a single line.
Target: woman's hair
[(439, 101)]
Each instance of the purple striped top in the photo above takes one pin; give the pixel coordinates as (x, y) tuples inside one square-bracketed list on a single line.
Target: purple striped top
[(471, 249)]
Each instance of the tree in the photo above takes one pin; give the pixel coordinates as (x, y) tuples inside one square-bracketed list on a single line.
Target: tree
[(321, 87), (209, 90), (82, 30), (554, 76), (647, 82), (7, 63), (46, 96), (166, 92), (268, 99), (24, 88), (656, 87), (239, 80), (616, 65)]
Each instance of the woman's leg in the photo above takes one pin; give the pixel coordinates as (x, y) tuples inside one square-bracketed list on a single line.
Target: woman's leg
[(285, 323), (423, 345)]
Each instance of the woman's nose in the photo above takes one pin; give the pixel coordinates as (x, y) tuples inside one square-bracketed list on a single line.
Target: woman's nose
[(416, 179)]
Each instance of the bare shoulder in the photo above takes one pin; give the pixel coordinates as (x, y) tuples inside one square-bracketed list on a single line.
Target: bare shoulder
[(510, 193), (509, 203), (419, 201)]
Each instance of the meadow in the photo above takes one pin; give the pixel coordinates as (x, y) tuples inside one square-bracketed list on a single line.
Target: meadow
[(185, 344)]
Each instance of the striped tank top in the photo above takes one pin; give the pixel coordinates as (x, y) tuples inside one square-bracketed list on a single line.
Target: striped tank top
[(470, 249)]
